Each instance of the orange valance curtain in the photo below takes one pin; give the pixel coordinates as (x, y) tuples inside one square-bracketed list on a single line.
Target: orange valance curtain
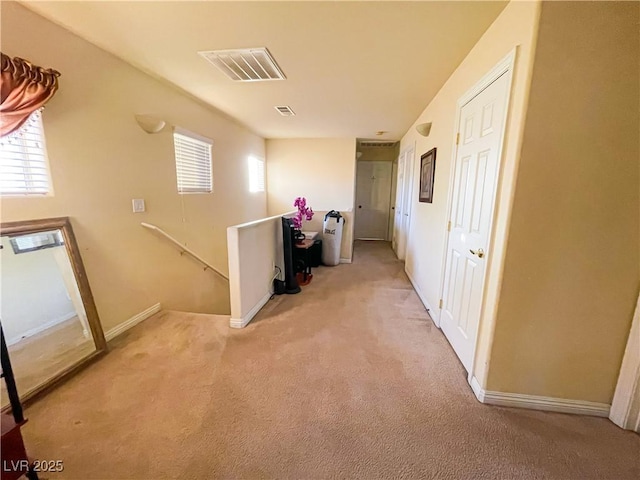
[(25, 88)]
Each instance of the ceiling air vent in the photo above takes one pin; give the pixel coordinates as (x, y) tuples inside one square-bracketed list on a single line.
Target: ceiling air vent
[(285, 111), (378, 143), (245, 65)]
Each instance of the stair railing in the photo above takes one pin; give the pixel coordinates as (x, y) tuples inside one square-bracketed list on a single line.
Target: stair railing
[(184, 249)]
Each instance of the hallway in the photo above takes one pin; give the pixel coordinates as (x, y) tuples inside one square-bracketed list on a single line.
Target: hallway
[(348, 379)]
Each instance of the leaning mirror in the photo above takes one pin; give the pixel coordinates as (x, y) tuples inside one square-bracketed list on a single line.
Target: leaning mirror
[(49, 319)]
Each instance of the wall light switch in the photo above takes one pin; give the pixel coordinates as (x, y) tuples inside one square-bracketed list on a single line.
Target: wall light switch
[(138, 205)]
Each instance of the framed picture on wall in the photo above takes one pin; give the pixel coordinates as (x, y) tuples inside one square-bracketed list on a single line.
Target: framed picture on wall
[(427, 175)]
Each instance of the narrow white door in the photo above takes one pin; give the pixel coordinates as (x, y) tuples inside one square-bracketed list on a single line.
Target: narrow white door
[(397, 224), (476, 174), (406, 201), (403, 202), (373, 197)]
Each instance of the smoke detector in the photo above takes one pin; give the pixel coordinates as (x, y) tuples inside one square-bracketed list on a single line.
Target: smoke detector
[(245, 65)]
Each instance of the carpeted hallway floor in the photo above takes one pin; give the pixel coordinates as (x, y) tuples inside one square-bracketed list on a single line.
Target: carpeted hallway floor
[(349, 379)]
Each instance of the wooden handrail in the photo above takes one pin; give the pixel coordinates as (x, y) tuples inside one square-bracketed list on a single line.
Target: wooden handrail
[(184, 249)]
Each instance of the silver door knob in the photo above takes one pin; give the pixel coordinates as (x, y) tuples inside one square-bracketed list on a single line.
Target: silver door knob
[(479, 252)]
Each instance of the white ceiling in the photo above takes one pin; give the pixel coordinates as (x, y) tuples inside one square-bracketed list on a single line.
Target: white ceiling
[(353, 68)]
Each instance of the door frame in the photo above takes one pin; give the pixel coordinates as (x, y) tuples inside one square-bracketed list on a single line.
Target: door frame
[(625, 407), (385, 239), (503, 67)]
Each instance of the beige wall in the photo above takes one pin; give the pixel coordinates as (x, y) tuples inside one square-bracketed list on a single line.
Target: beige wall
[(571, 272), (100, 159), (515, 27), (379, 154), (320, 169)]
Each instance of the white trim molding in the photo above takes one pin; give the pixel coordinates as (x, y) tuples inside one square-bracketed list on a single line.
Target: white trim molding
[(345, 260), (41, 328), (625, 407), (244, 321), (535, 402), (133, 321), (423, 299)]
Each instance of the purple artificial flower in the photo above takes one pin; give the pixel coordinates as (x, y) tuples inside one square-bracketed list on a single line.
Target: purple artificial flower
[(303, 211)]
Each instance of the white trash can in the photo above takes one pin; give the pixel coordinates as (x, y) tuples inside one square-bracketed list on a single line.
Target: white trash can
[(332, 237)]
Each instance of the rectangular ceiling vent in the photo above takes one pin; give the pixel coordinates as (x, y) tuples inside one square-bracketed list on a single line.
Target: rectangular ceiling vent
[(245, 65), (285, 111), (378, 143)]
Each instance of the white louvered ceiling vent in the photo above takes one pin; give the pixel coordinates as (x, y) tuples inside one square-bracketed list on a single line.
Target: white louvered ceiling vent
[(245, 65), (285, 111), (378, 143)]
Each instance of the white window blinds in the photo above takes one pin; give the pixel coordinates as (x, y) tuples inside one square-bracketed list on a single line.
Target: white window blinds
[(24, 168), (193, 164), (256, 174)]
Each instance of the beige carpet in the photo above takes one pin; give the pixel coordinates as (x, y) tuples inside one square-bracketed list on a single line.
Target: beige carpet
[(349, 379)]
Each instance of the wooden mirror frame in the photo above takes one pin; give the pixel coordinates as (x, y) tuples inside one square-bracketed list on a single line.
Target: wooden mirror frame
[(64, 225)]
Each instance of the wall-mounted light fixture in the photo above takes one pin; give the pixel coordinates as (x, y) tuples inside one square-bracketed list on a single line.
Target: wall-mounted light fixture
[(424, 129), (150, 124)]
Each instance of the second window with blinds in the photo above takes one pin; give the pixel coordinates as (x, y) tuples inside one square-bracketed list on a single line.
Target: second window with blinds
[(256, 174), (193, 163)]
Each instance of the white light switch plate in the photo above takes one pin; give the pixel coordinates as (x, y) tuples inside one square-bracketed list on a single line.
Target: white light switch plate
[(138, 205)]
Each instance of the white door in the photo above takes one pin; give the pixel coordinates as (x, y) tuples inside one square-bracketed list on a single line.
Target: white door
[(397, 220), (476, 173), (403, 203), (373, 197)]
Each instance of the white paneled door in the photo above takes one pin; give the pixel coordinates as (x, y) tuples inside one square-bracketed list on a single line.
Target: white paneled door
[(403, 203), (477, 161), (373, 197)]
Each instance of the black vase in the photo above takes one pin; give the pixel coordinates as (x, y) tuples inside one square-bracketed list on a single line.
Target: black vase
[(298, 236)]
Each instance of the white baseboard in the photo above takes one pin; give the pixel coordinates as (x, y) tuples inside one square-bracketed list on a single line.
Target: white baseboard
[(136, 319), (41, 328), (244, 321), (423, 299), (345, 260), (477, 389), (534, 402)]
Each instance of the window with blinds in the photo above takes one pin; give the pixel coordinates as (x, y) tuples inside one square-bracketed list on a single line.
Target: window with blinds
[(36, 241), (193, 164), (256, 174), (24, 167)]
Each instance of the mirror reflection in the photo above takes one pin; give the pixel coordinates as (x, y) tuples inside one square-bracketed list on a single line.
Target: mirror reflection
[(41, 309)]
